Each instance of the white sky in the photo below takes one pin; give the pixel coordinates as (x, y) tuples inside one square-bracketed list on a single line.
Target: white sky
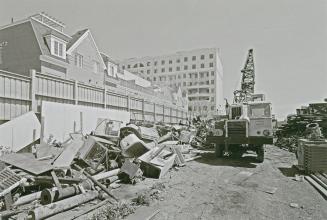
[(288, 37)]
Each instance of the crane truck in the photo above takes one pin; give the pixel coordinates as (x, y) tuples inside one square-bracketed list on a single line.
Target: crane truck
[(247, 124)]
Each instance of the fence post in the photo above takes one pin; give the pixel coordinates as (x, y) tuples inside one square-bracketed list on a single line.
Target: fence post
[(105, 98), (163, 113), (128, 104), (171, 115), (154, 113), (75, 92), (33, 90), (143, 114)]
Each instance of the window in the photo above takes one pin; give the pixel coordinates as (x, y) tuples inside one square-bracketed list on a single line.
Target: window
[(148, 78), (148, 71), (162, 62), (170, 69), (212, 73), (190, 75), (184, 75), (155, 63), (142, 71), (58, 48), (128, 66), (155, 71), (148, 63), (141, 65), (212, 90), (185, 67), (202, 57), (202, 65), (212, 108), (178, 61), (211, 64), (123, 67), (211, 56), (190, 108), (135, 65), (207, 74), (170, 61), (78, 60), (207, 82), (212, 82), (193, 66), (184, 83), (196, 75), (154, 79), (96, 67), (179, 76), (162, 70), (185, 59), (212, 99), (178, 68), (194, 58), (112, 70)]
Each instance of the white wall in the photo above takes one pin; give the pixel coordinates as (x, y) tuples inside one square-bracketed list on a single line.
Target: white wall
[(59, 118), (18, 133)]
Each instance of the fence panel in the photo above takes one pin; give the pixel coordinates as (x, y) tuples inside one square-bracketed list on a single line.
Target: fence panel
[(16, 98)]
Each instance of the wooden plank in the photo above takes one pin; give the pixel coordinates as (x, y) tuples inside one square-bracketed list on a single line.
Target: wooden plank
[(320, 189), (68, 154), (27, 162), (144, 213)]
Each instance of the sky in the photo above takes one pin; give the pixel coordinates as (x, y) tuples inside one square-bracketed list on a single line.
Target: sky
[(289, 37)]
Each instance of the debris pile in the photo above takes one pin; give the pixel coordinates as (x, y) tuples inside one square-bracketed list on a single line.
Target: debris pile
[(44, 179), (296, 126)]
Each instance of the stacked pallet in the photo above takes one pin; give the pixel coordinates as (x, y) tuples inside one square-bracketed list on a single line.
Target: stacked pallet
[(312, 155)]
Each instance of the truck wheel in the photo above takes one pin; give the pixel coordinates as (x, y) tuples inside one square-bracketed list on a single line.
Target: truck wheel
[(260, 153), (219, 150)]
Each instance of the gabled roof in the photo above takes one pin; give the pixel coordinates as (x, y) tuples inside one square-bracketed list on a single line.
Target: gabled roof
[(78, 39)]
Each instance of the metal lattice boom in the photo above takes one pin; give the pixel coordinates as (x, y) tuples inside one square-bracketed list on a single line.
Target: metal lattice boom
[(248, 80)]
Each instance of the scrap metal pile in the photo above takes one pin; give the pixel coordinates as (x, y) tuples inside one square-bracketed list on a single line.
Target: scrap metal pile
[(48, 178), (295, 128)]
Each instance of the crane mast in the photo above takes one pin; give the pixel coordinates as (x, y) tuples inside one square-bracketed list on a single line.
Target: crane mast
[(248, 80)]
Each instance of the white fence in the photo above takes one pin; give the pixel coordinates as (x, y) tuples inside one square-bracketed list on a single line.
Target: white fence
[(20, 94)]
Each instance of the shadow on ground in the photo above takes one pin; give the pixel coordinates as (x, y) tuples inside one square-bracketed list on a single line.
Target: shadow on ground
[(211, 159), (289, 171)]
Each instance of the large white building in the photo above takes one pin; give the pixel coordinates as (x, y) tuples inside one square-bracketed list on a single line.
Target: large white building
[(198, 73)]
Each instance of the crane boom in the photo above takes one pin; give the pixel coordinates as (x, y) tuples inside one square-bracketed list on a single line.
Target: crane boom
[(248, 80)]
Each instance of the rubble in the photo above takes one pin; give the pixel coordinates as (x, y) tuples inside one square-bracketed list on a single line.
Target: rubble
[(296, 126), (52, 177)]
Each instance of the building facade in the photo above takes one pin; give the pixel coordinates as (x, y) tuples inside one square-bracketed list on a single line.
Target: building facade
[(39, 61), (198, 73)]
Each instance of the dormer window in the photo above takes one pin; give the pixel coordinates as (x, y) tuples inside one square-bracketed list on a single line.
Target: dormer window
[(57, 46)]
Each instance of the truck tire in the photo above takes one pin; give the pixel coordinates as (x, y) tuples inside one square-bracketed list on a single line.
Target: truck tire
[(260, 154), (219, 150)]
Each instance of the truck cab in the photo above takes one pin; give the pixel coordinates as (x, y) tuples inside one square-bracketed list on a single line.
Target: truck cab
[(248, 127)]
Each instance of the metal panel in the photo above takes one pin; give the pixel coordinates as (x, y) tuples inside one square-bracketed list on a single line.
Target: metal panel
[(136, 104), (148, 107)]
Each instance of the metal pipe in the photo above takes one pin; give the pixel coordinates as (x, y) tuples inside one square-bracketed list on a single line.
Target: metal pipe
[(46, 211)]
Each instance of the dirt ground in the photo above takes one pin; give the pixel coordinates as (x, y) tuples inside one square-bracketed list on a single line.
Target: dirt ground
[(211, 188)]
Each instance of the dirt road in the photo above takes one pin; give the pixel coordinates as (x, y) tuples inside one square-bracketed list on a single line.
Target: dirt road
[(211, 188)]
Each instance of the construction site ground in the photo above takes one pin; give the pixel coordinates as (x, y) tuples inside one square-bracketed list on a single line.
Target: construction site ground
[(211, 188)]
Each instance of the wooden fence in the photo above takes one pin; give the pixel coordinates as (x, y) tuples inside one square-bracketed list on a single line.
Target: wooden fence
[(20, 94)]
